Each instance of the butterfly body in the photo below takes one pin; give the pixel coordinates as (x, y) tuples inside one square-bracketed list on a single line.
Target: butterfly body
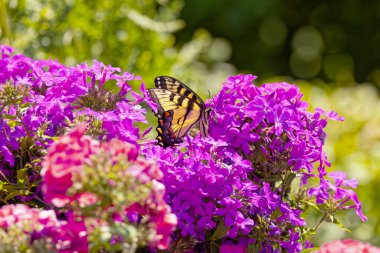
[(179, 109)]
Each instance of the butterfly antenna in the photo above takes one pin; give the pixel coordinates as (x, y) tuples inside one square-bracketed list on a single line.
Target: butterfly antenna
[(209, 94)]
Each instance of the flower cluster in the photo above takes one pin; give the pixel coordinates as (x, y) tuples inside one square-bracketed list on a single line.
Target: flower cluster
[(271, 127), (68, 141), (41, 99), (210, 190), (110, 184), (347, 246), (121, 205), (40, 230), (235, 185), (336, 193)]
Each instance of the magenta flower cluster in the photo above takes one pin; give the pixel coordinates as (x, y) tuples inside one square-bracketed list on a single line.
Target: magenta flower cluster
[(235, 184), (49, 95), (69, 143), (210, 189), (42, 100), (270, 126)]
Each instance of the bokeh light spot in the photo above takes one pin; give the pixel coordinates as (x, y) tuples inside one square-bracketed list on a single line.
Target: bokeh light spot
[(305, 67), (338, 66), (308, 38), (220, 50), (273, 31)]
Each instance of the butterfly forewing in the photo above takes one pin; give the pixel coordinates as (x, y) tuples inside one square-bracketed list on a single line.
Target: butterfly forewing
[(176, 86), (168, 100)]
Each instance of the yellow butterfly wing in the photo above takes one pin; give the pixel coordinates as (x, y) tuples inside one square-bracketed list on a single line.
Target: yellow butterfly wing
[(176, 86), (176, 115), (179, 108)]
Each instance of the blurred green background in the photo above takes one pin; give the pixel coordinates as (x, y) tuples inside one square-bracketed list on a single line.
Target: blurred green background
[(328, 48)]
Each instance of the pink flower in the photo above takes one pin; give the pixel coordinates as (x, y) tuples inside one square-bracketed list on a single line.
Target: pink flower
[(347, 246), (161, 220), (70, 236), (86, 199), (20, 214), (117, 147), (65, 157)]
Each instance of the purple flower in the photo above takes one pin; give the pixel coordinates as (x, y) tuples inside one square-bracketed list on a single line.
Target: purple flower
[(340, 180), (241, 224), (7, 154), (229, 210), (206, 213), (291, 215), (201, 186), (338, 193), (292, 245), (244, 137), (227, 248)]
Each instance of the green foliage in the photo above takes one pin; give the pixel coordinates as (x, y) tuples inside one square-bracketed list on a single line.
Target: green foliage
[(136, 36), (309, 250), (121, 33)]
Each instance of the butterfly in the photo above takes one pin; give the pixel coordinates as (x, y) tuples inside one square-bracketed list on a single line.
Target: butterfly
[(179, 108)]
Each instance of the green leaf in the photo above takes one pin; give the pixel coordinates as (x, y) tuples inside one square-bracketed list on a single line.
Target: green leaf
[(337, 222), (312, 205), (220, 231), (13, 123), (22, 176), (25, 105), (17, 193), (8, 116), (309, 250)]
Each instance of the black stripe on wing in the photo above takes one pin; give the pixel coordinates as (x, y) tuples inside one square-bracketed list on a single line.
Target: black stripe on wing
[(167, 100), (174, 85)]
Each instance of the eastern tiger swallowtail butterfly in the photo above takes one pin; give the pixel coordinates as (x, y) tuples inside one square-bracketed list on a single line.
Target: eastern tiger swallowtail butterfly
[(179, 108)]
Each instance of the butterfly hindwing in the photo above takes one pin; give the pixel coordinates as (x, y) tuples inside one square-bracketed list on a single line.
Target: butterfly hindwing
[(164, 138), (179, 108), (183, 121)]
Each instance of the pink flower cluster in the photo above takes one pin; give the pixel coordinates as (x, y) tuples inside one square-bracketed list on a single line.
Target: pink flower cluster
[(71, 153), (19, 214), (65, 158), (64, 236), (347, 246)]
